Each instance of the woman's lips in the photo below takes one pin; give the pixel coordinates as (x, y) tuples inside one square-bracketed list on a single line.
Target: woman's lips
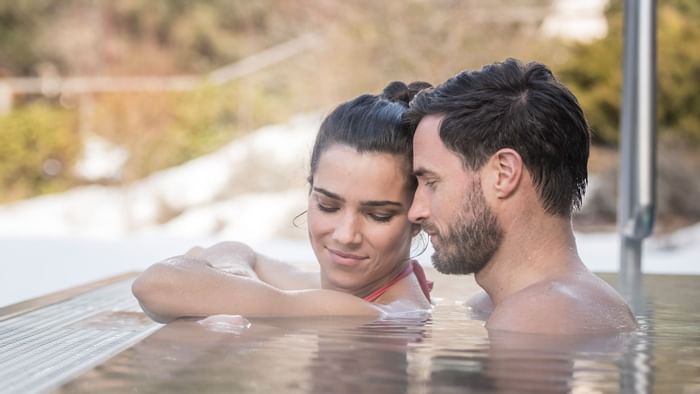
[(342, 258)]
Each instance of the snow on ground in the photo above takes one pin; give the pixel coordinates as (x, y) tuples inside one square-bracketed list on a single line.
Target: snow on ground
[(32, 267), (100, 159), (676, 253), (35, 266), (250, 190), (272, 159)]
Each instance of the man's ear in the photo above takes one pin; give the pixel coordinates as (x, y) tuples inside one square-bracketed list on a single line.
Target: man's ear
[(507, 165)]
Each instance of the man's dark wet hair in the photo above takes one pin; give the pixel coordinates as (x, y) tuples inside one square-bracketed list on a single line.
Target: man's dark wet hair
[(518, 106), (371, 123)]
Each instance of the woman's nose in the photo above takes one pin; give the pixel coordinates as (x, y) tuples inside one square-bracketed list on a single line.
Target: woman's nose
[(348, 230)]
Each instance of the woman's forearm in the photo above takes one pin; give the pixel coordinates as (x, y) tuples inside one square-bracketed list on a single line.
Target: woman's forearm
[(237, 258), (191, 288)]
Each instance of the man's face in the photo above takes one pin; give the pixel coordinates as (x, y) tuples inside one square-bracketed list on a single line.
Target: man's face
[(450, 205)]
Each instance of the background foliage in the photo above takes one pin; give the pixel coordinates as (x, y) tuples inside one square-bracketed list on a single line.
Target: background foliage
[(594, 73), (364, 44), (36, 142)]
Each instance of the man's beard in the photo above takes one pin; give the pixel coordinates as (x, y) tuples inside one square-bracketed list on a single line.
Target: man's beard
[(471, 240)]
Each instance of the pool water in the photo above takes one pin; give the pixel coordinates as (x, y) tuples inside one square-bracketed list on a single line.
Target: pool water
[(445, 352)]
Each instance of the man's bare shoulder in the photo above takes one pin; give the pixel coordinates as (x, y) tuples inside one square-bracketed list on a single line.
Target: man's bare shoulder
[(480, 306), (574, 304)]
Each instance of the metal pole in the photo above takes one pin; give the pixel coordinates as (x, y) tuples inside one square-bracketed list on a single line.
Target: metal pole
[(637, 186)]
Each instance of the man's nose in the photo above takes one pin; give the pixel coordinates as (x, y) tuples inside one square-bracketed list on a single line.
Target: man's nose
[(348, 231), (419, 208)]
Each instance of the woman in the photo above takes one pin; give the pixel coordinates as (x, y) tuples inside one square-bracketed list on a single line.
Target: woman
[(361, 190)]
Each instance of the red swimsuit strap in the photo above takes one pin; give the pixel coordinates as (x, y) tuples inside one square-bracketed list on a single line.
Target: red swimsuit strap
[(425, 284), (412, 267)]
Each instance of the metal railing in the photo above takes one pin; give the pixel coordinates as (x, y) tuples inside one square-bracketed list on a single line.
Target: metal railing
[(54, 85)]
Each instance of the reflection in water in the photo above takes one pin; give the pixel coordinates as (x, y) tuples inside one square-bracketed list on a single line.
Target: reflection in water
[(638, 355), (446, 352), (371, 358), (533, 363)]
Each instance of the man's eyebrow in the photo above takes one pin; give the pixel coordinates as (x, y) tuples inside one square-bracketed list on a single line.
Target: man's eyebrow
[(328, 194), (422, 172)]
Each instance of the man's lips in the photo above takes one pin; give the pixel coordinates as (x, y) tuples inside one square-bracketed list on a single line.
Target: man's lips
[(432, 234), (430, 231)]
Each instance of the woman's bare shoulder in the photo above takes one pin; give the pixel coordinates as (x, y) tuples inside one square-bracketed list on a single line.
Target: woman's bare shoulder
[(406, 295)]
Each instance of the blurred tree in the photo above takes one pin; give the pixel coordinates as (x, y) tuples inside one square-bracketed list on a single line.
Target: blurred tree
[(364, 44), (20, 22), (594, 72), (39, 144), (139, 36)]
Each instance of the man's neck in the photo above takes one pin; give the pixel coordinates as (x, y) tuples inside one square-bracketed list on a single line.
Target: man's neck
[(534, 249)]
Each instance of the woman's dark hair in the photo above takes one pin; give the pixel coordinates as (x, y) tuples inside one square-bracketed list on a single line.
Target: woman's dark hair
[(370, 123)]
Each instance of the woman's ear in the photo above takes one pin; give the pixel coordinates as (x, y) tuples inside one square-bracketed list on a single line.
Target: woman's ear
[(507, 165)]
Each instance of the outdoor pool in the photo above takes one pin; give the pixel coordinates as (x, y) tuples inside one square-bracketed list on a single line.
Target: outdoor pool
[(443, 352)]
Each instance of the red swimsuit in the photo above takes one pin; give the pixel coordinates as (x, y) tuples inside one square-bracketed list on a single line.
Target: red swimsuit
[(415, 268)]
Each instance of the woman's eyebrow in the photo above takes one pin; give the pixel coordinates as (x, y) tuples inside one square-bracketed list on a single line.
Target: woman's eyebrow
[(328, 194), (372, 203), (381, 203)]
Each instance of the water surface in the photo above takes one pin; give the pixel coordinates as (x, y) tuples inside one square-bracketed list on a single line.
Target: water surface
[(445, 352)]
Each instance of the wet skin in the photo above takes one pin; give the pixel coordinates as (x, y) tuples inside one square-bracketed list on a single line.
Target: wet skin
[(358, 225), (358, 229), (535, 278)]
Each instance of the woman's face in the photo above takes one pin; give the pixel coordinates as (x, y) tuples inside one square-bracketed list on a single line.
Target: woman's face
[(357, 217)]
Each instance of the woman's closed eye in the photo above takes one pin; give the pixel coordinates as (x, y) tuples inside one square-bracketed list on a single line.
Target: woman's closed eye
[(326, 208), (381, 217)]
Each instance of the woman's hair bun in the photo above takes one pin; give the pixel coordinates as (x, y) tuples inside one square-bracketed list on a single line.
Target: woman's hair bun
[(397, 91), (401, 93), (415, 87)]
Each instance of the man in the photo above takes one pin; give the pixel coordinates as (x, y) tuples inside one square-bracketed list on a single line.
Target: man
[(500, 155)]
